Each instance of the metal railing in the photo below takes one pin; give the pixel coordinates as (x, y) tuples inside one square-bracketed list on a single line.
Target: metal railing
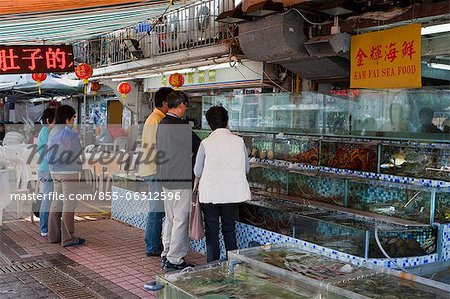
[(185, 28)]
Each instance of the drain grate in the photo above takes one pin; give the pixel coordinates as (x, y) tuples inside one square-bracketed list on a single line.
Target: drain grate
[(13, 268), (3, 259), (62, 284)]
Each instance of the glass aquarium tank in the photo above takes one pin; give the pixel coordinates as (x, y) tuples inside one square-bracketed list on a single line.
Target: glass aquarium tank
[(259, 145), (218, 281), (289, 258), (299, 149), (405, 113), (415, 161), (285, 260), (317, 186), (338, 230), (390, 199), (442, 211), (348, 155), (379, 285), (269, 179)]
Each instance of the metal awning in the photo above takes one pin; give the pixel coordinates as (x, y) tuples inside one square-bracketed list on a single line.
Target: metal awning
[(62, 25)]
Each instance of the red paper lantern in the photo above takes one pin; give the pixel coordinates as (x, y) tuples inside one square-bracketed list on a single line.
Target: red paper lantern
[(176, 80), (83, 72), (39, 77), (124, 88), (95, 86)]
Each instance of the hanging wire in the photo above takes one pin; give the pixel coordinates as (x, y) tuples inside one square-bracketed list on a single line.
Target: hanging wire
[(268, 77), (306, 19)]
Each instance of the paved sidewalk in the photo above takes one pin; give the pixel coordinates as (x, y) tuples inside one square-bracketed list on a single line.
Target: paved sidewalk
[(112, 264)]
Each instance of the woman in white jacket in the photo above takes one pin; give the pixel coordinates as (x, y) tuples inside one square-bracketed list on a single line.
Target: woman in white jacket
[(221, 165)]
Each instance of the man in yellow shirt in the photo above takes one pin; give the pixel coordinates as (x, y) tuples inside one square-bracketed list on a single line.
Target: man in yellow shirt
[(147, 171)]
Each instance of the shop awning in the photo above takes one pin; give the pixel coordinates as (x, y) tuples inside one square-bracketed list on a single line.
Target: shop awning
[(67, 21), (52, 83)]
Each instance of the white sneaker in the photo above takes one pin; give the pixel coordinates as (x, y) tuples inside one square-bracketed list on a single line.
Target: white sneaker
[(44, 234)]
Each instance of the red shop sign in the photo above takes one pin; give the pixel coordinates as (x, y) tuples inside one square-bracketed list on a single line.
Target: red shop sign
[(36, 59)]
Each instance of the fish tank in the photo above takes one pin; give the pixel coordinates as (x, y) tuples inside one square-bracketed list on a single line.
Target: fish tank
[(219, 280), (391, 199), (415, 161), (384, 284), (317, 186), (304, 150), (358, 156), (340, 230), (442, 210), (285, 259), (268, 179), (259, 145), (439, 273)]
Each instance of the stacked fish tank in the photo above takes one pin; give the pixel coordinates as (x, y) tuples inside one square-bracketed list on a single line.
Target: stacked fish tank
[(339, 229), (318, 187), (361, 156), (269, 179), (416, 160), (297, 149), (339, 171)]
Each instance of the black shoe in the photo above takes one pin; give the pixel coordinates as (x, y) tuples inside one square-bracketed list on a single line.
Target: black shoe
[(154, 253), (78, 241), (174, 267), (163, 261)]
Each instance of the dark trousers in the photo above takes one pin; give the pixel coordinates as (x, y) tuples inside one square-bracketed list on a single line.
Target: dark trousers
[(228, 215)]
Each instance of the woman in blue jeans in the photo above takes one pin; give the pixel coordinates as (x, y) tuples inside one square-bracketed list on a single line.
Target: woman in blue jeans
[(48, 119)]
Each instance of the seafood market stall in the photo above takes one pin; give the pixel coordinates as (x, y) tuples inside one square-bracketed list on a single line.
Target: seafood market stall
[(354, 178)]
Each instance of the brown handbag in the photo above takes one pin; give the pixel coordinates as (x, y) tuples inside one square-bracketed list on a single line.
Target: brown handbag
[(196, 229)]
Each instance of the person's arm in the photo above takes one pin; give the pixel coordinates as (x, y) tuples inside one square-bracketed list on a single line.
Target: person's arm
[(199, 161), (42, 143), (196, 141), (71, 141), (247, 164)]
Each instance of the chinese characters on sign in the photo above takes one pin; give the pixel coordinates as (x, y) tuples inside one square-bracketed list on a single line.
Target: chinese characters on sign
[(36, 59), (387, 59)]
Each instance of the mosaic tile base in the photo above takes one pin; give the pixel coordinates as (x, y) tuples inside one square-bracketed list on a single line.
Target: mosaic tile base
[(445, 241)]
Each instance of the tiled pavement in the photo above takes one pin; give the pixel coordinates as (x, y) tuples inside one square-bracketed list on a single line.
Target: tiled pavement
[(112, 264)]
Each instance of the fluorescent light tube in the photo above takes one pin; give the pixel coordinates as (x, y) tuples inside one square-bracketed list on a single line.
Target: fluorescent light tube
[(440, 66), (436, 29), (122, 79)]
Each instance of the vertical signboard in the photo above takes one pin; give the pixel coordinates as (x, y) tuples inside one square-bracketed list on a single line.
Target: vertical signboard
[(387, 59)]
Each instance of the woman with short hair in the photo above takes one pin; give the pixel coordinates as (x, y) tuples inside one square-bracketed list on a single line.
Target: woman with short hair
[(63, 156), (221, 166)]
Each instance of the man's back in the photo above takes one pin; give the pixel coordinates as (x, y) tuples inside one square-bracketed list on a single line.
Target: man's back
[(176, 142)]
